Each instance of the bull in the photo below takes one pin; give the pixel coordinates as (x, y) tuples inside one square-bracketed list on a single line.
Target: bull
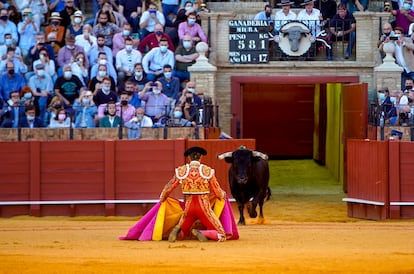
[(249, 180), (295, 34)]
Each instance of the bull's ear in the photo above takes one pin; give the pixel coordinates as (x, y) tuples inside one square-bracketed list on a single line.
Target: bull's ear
[(256, 158)]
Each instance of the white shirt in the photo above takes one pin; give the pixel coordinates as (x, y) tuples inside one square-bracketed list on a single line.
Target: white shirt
[(50, 68), (86, 44), (311, 20), (281, 18), (399, 57), (146, 121), (151, 23), (127, 60), (154, 60)]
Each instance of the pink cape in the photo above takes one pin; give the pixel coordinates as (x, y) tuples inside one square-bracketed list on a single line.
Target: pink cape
[(157, 223)]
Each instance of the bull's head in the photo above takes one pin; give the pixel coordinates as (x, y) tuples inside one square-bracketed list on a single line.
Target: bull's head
[(242, 160), (295, 34)]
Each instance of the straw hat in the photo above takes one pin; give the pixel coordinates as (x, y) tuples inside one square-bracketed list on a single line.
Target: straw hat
[(55, 15), (79, 14)]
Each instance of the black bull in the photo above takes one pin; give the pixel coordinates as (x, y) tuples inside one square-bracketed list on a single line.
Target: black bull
[(249, 180), (295, 34)]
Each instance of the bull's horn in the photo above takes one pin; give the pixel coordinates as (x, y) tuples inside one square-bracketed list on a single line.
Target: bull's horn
[(224, 155), (259, 154)]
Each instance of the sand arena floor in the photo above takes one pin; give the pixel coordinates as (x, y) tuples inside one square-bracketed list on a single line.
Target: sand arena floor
[(330, 243)]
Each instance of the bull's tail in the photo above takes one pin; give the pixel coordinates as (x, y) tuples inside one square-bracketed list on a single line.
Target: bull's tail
[(269, 193)]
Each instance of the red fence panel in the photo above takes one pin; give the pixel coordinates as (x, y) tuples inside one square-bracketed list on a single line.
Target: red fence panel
[(367, 179)]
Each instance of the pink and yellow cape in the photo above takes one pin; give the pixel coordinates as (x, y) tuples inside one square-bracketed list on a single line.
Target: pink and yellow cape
[(158, 222)]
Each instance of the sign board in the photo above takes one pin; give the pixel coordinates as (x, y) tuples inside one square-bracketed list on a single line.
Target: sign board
[(249, 41)]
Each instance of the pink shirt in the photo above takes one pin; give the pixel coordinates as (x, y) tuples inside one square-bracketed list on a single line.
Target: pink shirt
[(194, 31)]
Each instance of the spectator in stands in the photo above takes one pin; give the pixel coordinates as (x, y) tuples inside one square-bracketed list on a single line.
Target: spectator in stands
[(131, 10), (142, 118), (105, 28), (284, 15), (157, 104), (126, 59), (96, 82), (42, 88), (387, 32), (265, 15), (27, 98), (152, 40), (105, 94), (39, 9), (185, 56), (56, 5), (181, 16), (12, 111), (132, 91), (67, 13), (30, 120), (9, 81), (85, 110), (76, 24), (169, 9), (8, 44), (97, 49), (68, 87), (149, 19), (61, 120), (86, 40), (327, 8), (103, 60), (177, 119), (404, 56), (154, 61), (342, 27), (190, 102), (139, 78), (115, 17), (7, 26), (80, 67), (55, 27), (49, 64), (40, 44), (19, 65), (192, 28), (404, 103), (55, 104), (313, 19), (124, 110), (27, 30), (404, 16), (356, 5), (111, 119), (67, 53), (118, 42), (170, 84)]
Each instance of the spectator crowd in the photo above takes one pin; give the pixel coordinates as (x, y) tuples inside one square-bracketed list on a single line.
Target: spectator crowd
[(125, 66)]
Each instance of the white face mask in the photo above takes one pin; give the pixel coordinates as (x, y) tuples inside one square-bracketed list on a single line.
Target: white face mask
[(102, 62), (67, 74), (128, 47), (77, 20), (156, 91)]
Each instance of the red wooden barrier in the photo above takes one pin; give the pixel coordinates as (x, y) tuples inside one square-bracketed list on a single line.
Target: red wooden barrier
[(380, 180), (74, 178)]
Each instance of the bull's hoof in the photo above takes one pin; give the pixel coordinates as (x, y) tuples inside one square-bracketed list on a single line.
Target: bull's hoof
[(241, 222)]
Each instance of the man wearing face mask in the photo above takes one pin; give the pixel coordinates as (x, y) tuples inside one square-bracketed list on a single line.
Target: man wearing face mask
[(404, 16), (42, 87), (103, 61), (152, 40), (154, 61), (139, 78), (8, 43), (67, 12), (192, 28), (157, 104), (27, 30), (190, 102), (170, 84), (185, 56), (149, 19), (7, 26), (55, 27), (67, 53), (178, 121), (118, 43), (30, 120), (9, 81), (132, 90), (105, 28), (123, 109), (105, 94), (19, 65), (85, 110), (86, 40), (126, 59), (68, 87), (12, 112), (96, 50)]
